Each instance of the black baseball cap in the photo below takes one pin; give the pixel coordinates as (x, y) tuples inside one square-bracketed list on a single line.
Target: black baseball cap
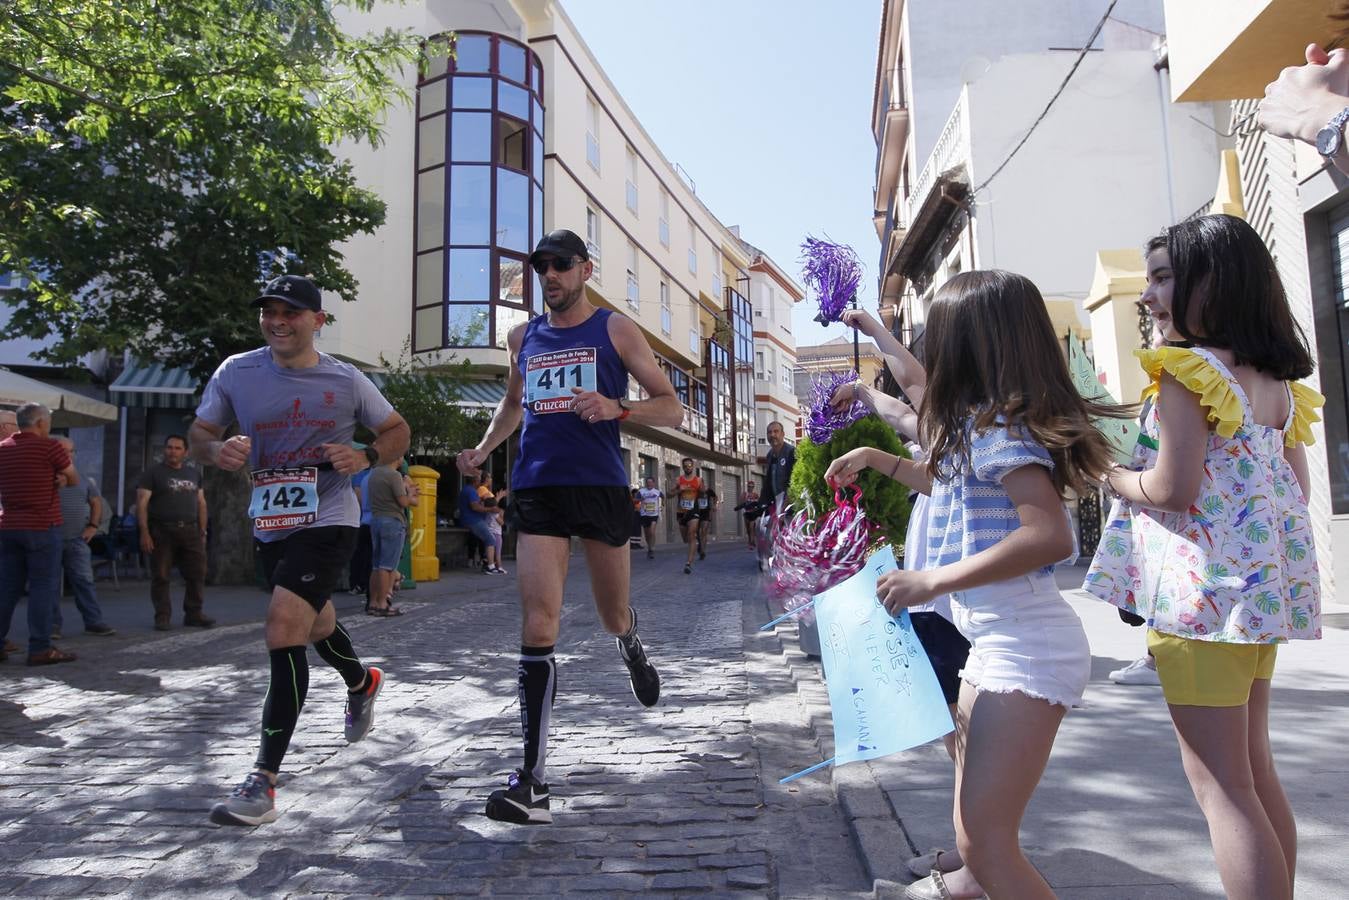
[(295, 290), (561, 243)]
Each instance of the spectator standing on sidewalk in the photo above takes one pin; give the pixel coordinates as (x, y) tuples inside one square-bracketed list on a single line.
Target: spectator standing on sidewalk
[(32, 468), (358, 572), (171, 510), (389, 499), (81, 513)]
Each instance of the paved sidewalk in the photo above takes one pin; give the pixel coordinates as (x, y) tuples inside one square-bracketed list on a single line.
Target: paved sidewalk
[(1114, 816), (109, 765)]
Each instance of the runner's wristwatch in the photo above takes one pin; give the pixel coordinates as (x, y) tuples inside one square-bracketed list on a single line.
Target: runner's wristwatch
[(627, 410), (372, 456)]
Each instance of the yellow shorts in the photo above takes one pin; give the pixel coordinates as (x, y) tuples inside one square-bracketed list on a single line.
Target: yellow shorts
[(1207, 673)]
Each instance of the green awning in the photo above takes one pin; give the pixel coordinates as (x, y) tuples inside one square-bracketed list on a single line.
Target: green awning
[(155, 386), (473, 394)]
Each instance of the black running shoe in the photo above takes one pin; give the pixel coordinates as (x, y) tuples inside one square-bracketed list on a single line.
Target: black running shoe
[(645, 679), (523, 802)]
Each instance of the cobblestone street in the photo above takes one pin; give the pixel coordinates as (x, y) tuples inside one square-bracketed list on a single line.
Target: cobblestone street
[(111, 763)]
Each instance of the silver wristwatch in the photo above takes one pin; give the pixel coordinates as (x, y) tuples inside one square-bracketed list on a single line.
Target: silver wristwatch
[(1330, 139)]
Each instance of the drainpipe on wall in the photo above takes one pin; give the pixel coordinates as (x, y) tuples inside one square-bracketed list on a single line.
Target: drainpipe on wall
[(1163, 69)]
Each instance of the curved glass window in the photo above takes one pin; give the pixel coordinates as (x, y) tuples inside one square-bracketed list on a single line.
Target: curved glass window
[(470, 205), (473, 53), (472, 93), (479, 207), (471, 137)]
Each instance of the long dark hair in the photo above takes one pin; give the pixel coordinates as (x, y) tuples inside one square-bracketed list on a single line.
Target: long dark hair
[(1220, 264), (992, 356)]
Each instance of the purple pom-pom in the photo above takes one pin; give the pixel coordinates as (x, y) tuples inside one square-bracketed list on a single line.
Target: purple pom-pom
[(822, 420), (810, 557), (833, 271)]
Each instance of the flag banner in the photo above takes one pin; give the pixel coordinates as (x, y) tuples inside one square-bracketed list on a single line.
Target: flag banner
[(1121, 433), (882, 691)]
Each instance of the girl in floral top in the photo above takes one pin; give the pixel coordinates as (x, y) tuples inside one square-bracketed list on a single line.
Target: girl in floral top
[(1210, 541), (1007, 435)]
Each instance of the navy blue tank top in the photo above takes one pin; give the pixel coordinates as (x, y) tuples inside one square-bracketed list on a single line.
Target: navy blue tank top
[(556, 447)]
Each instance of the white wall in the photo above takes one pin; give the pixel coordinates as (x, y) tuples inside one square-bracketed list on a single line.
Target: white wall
[(953, 41), (1094, 173)]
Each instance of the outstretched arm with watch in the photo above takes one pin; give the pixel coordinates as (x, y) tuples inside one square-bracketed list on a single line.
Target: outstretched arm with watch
[(1310, 103)]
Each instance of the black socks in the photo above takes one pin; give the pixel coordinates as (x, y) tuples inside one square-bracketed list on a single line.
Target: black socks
[(281, 709), (337, 652), (538, 690)]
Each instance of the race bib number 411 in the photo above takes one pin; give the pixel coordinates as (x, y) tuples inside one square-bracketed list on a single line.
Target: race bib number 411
[(549, 378), (284, 498)]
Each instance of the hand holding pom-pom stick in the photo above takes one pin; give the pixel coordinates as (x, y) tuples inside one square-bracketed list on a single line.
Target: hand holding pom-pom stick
[(834, 272), (824, 418)]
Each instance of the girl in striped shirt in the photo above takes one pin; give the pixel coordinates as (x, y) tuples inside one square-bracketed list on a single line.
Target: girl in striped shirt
[(1008, 435)]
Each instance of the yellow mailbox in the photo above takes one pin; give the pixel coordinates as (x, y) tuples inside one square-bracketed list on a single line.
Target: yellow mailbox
[(422, 533)]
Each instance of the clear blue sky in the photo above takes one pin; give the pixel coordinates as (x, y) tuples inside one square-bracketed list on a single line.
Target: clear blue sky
[(766, 104)]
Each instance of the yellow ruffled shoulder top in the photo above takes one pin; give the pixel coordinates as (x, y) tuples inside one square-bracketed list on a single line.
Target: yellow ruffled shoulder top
[(1216, 395)]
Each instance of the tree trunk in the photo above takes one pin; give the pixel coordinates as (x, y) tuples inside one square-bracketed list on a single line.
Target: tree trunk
[(230, 552)]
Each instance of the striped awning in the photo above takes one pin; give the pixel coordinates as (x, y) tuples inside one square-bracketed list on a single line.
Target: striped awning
[(154, 385), (473, 393)]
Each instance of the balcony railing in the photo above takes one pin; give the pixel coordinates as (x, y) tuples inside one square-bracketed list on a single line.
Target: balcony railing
[(951, 146), (892, 100)]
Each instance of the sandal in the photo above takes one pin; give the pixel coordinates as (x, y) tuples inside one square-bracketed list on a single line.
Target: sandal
[(922, 866), (383, 612), (933, 887)]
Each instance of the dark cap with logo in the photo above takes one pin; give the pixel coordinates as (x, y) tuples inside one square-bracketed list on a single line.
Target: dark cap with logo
[(295, 290), (562, 243)]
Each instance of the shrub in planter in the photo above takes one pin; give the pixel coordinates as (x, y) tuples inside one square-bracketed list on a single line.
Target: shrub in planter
[(885, 501)]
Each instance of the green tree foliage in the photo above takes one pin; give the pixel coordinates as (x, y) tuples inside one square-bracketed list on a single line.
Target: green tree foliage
[(885, 501), (159, 160), (425, 389)]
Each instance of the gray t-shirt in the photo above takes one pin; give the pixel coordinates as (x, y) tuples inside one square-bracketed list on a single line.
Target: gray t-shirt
[(75, 509), (173, 492), (290, 414), (385, 486)]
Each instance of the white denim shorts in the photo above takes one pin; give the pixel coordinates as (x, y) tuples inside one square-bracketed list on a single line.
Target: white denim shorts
[(1023, 637)]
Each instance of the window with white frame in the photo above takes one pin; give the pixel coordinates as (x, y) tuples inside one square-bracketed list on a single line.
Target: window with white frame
[(632, 275), (630, 188), (716, 285), (593, 241), (593, 132), (786, 375), (663, 225), (693, 248), (769, 366), (696, 333), (666, 316), (759, 365)]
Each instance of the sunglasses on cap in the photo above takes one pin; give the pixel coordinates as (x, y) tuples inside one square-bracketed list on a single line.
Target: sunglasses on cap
[(558, 264)]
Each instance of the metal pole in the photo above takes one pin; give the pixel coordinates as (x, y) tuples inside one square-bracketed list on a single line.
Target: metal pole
[(856, 346)]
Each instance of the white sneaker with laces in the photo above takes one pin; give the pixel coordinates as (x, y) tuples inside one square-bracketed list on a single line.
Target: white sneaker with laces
[(1140, 671)]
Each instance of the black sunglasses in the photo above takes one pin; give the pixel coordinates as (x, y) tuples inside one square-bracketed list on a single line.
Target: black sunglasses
[(559, 264)]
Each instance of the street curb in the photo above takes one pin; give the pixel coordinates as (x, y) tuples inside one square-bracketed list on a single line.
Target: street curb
[(874, 825)]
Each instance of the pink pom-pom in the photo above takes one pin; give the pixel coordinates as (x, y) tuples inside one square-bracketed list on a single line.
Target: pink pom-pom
[(810, 557)]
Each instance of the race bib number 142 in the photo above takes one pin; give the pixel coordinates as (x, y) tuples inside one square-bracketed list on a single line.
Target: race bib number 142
[(284, 498), (550, 377)]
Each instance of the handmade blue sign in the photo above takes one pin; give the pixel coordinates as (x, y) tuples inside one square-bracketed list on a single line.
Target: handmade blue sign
[(883, 693)]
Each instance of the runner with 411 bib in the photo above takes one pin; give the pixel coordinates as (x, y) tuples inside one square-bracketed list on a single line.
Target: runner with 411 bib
[(568, 382), (297, 411)]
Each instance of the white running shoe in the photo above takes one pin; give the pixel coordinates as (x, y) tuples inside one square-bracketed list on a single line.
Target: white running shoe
[(1140, 671)]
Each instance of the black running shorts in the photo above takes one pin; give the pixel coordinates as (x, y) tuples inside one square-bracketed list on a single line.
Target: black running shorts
[(946, 649), (592, 513), (308, 562)]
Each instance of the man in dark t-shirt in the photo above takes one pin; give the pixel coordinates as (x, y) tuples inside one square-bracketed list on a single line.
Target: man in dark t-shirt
[(32, 469), (171, 510)]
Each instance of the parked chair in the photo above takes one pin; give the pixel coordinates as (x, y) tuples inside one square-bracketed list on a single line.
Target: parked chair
[(103, 552)]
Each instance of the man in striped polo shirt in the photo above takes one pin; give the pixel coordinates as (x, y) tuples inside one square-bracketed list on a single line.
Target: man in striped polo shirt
[(33, 468)]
